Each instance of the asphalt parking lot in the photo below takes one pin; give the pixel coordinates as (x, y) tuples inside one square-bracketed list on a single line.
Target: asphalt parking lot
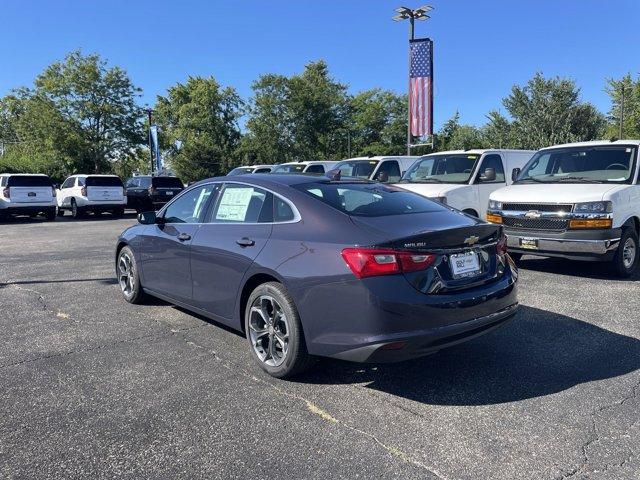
[(91, 386)]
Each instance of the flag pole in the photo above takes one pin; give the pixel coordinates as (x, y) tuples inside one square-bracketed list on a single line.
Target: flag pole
[(411, 37)]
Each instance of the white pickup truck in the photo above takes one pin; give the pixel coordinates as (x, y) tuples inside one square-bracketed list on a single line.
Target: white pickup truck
[(579, 201), (464, 179)]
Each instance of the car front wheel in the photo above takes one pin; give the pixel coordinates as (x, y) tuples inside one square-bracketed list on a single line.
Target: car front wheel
[(625, 261), (76, 211), (128, 276), (275, 333)]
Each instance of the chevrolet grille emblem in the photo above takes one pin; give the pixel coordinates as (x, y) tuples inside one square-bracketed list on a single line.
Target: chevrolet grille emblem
[(532, 214)]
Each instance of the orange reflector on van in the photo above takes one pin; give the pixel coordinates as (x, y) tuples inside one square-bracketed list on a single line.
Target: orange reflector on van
[(494, 218), (594, 223)]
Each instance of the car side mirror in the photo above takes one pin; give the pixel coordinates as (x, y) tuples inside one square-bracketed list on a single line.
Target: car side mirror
[(148, 218), (514, 174), (382, 177), (489, 175)]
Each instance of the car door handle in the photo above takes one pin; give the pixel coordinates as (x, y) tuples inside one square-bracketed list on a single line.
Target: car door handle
[(183, 237), (245, 242)]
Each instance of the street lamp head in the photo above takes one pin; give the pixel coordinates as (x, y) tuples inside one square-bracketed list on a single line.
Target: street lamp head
[(403, 10), (399, 18), (422, 18), (425, 8)]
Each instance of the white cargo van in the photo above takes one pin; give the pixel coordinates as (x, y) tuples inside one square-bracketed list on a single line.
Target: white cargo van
[(579, 201), (27, 194), (380, 169), (464, 179)]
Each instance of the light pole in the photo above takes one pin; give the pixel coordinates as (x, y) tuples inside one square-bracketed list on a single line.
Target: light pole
[(405, 13), (622, 114)]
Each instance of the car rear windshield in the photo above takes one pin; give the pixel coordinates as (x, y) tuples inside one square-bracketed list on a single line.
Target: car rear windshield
[(103, 182), (167, 182), (240, 171), (369, 199), (29, 181)]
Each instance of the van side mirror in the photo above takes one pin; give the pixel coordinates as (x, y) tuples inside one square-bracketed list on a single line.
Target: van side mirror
[(382, 177), (489, 175), (148, 218), (514, 174)]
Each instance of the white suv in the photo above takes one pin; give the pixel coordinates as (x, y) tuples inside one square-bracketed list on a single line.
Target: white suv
[(92, 193), (27, 194)]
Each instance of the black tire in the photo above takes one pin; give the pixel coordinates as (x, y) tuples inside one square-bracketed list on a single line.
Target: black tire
[(621, 265), (60, 212), (516, 257), (131, 289), (3, 216), (473, 213), (50, 214), (76, 211), (118, 212), (297, 359)]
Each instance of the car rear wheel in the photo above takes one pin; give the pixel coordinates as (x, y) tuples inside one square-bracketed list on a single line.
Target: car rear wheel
[(274, 332), (625, 261), (76, 211), (128, 277), (118, 212), (50, 214)]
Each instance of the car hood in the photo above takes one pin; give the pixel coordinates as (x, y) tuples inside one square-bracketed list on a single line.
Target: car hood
[(560, 193), (431, 190)]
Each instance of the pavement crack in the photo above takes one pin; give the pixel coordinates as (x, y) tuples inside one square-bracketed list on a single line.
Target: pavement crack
[(317, 410)]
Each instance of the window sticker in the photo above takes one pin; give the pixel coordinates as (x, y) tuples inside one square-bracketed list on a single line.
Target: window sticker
[(234, 204)]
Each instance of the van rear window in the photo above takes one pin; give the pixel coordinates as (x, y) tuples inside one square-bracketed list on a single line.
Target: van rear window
[(167, 182), (29, 181), (103, 182)]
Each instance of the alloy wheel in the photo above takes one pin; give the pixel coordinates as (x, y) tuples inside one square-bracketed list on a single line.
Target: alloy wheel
[(629, 253), (125, 274), (269, 330)]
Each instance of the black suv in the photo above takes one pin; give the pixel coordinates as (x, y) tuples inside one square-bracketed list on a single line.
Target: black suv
[(146, 193)]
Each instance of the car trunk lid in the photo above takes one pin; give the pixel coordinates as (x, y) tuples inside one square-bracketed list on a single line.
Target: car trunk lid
[(30, 189), (106, 189)]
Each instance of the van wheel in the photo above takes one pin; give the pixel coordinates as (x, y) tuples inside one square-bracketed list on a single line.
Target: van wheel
[(76, 211), (275, 333), (473, 213), (50, 214), (118, 212), (625, 261), (3, 215)]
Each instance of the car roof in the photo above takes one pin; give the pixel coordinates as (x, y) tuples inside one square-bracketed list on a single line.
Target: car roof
[(24, 174), (594, 143), (266, 179)]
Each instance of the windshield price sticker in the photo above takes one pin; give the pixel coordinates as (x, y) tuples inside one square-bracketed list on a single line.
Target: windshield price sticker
[(234, 204)]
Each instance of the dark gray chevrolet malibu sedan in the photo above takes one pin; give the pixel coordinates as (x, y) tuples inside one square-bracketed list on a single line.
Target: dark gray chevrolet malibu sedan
[(314, 266)]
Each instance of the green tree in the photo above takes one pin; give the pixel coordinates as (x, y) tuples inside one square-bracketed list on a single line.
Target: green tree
[(454, 136), (199, 129), (549, 111), (631, 127), (303, 117)]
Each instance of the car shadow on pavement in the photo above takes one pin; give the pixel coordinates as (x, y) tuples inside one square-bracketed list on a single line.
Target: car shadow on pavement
[(24, 220), (561, 266), (538, 353)]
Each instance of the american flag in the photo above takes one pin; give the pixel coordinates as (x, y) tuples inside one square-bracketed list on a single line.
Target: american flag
[(421, 87)]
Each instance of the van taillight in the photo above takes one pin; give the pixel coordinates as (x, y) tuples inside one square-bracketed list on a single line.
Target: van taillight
[(83, 191), (371, 262), (53, 191), (6, 192)]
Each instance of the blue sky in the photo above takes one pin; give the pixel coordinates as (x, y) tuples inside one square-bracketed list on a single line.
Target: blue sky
[(481, 48)]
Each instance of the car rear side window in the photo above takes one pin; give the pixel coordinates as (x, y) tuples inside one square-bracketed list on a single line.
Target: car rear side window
[(29, 181), (314, 169), (167, 182), (282, 211), (262, 170), (243, 204), (103, 182), (369, 199)]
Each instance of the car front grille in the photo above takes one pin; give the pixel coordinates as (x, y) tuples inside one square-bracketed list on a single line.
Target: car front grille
[(536, 223), (540, 207)]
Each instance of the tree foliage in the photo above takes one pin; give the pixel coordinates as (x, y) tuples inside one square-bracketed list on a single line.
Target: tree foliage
[(199, 129), (631, 127)]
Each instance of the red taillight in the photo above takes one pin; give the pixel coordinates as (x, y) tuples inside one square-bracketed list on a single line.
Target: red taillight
[(501, 246), (371, 262), (6, 191), (83, 191)]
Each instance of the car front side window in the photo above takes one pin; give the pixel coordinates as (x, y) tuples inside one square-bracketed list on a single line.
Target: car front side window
[(189, 207)]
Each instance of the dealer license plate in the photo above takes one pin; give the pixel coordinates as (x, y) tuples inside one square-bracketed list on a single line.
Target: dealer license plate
[(168, 193), (529, 243), (464, 264)]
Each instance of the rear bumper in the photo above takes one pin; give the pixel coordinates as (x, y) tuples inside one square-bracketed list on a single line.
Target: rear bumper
[(594, 245), (100, 206), (385, 319), (26, 209)]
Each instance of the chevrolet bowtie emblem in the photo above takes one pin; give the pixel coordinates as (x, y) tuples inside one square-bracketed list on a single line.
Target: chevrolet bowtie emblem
[(532, 214), (471, 240)]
